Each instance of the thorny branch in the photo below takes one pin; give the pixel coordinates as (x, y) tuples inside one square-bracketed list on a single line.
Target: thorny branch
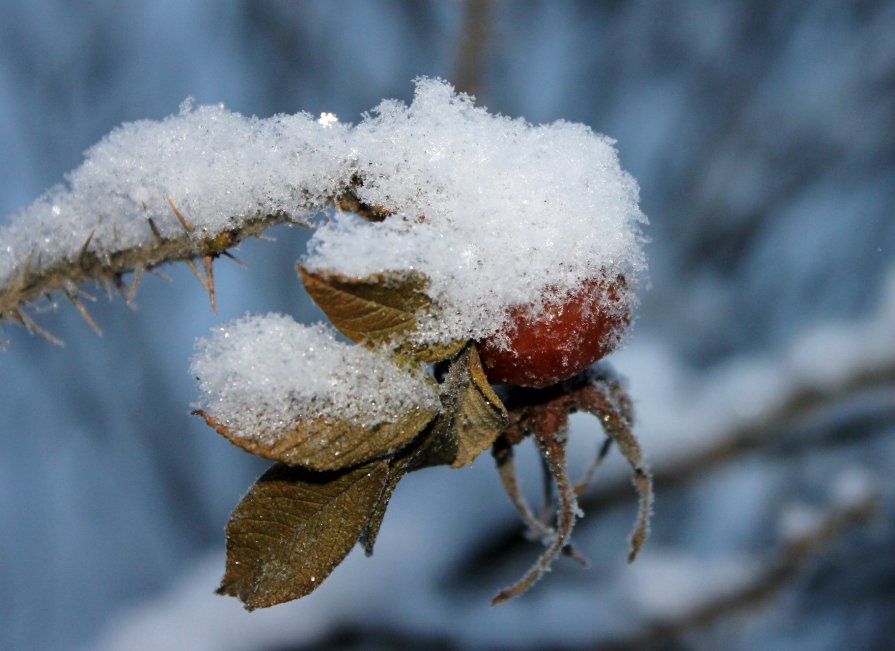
[(36, 279)]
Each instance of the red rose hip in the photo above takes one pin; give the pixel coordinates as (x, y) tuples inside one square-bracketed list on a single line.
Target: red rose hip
[(568, 335)]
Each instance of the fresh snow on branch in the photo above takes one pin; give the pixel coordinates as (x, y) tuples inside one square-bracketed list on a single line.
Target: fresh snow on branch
[(493, 211), (217, 167)]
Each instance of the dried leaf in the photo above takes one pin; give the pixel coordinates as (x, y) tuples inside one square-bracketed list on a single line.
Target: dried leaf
[(437, 446), (325, 443), (293, 527), (477, 416), (370, 531), (377, 309)]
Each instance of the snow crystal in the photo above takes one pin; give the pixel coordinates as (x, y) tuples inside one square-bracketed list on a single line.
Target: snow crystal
[(261, 373)]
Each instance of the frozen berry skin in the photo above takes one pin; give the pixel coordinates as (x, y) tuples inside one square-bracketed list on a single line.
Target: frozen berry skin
[(563, 339)]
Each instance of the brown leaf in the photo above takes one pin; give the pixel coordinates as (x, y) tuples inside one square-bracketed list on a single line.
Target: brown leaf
[(477, 416), (437, 446), (370, 532), (378, 309), (293, 527), (325, 443)]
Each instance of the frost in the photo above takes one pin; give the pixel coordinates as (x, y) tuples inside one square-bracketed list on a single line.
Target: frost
[(260, 374)]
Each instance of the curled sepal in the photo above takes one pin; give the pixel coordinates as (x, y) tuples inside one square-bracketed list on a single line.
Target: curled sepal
[(378, 309), (293, 527), (476, 415), (326, 443), (554, 453), (611, 405)]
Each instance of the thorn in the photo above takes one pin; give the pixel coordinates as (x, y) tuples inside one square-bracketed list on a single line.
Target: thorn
[(82, 310), (110, 281), (71, 289), (135, 283), (25, 271), (266, 238), (83, 251), (156, 233), (85, 294), (161, 274), (35, 329), (235, 259), (198, 274), (180, 217), (117, 280), (208, 262)]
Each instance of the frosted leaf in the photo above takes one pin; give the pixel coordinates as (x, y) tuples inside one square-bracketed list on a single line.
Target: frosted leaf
[(260, 374)]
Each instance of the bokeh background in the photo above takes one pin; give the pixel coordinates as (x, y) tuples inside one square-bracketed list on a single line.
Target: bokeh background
[(763, 138)]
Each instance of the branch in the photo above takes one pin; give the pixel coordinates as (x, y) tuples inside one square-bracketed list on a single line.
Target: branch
[(791, 559), (801, 401), (35, 280)]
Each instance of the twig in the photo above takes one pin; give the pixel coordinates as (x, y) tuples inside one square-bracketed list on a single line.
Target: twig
[(764, 429), (790, 560)]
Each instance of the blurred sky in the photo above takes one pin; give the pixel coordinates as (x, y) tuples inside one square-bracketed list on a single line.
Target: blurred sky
[(760, 133)]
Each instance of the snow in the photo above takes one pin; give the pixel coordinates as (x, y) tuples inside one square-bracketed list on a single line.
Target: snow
[(217, 167), (259, 374), (682, 412), (129, 487), (494, 211)]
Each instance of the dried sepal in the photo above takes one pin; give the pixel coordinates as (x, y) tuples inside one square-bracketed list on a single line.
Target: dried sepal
[(378, 309), (611, 405), (326, 443), (293, 528), (553, 451), (543, 414), (476, 414)]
